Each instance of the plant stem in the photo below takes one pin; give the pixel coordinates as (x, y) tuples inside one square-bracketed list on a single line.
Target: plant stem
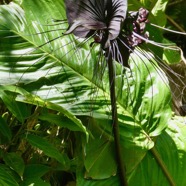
[(175, 24), (163, 166), (115, 124)]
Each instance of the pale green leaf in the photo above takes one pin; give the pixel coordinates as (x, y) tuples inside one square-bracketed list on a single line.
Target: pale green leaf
[(159, 11)]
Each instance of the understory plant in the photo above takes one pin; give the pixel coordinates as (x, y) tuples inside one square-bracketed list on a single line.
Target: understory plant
[(56, 123)]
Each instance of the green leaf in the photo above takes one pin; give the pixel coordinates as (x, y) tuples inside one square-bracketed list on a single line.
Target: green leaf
[(109, 182), (20, 110), (98, 154), (33, 99), (35, 182), (48, 149), (171, 56), (171, 146), (148, 4), (35, 171), (159, 11), (33, 174), (5, 132), (5, 178), (62, 121), (15, 162)]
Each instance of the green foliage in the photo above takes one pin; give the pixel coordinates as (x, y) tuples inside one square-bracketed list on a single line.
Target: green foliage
[(56, 118), (5, 131), (14, 161), (6, 178), (48, 149)]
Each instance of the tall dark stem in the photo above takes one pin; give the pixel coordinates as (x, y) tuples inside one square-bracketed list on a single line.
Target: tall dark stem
[(115, 124)]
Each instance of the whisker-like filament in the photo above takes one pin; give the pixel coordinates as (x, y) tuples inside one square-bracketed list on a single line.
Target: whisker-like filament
[(159, 65), (161, 45), (169, 30), (48, 31)]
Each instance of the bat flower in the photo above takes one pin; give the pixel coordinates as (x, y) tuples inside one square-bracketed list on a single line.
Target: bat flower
[(138, 20), (103, 19), (108, 23)]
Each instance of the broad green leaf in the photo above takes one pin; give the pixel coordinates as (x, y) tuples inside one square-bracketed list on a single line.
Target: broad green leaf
[(70, 83), (5, 178), (15, 162), (32, 99), (171, 146), (98, 154), (5, 132), (48, 149)]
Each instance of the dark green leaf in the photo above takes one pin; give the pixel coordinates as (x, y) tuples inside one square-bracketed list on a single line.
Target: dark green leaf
[(35, 171), (15, 162), (5, 132), (33, 174), (18, 109), (35, 181), (112, 181), (48, 149), (5, 178)]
